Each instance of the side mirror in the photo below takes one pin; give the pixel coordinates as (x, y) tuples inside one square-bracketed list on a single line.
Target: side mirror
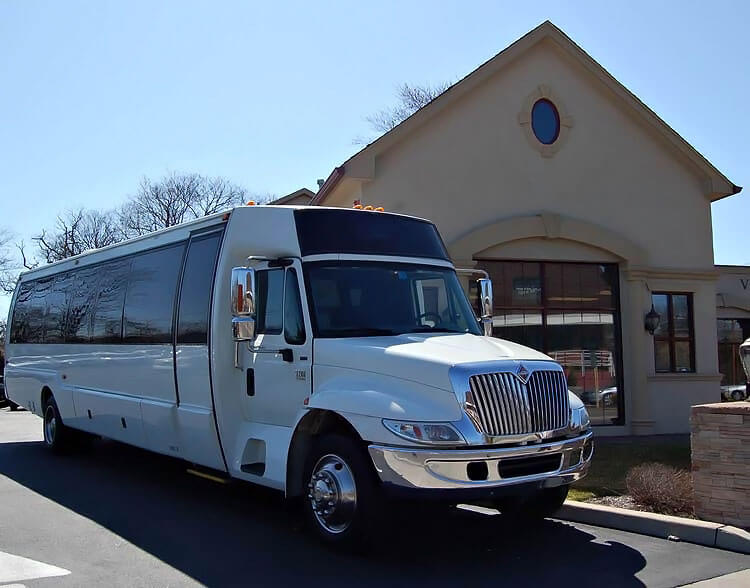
[(485, 304), (243, 304)]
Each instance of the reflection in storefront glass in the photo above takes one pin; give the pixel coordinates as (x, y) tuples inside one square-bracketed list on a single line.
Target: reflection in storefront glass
[(569, 311)]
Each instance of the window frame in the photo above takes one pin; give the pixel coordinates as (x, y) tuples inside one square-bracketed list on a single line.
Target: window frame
[(670, 338)]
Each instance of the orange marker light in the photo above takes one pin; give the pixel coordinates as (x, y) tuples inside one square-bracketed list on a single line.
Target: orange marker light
[(251, 202), (368, 207), (358, 206), (380, 209)]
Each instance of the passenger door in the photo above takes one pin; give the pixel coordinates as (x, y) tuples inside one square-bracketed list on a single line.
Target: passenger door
[(278, 375)]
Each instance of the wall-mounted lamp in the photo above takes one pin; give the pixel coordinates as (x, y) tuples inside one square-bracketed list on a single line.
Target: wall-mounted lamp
[(652, 320)]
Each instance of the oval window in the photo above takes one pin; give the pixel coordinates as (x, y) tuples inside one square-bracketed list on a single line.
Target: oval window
[(545, 121)]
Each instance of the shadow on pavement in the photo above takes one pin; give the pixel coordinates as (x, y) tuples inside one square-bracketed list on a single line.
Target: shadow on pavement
[(241, 534)]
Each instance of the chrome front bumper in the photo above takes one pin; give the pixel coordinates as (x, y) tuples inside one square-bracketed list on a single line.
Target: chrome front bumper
[(447, 469)]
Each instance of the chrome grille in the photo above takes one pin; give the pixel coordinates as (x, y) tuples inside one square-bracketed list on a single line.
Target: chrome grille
[(507, 406)]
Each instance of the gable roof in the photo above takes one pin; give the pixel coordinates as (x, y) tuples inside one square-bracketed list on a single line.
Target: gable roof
[(296, 194), (361, 164)]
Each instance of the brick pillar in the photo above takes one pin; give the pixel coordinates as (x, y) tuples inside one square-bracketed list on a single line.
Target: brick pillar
[(720, 442)]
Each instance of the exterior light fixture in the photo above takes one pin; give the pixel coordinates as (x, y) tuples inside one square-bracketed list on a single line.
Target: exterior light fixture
[(652, 320)]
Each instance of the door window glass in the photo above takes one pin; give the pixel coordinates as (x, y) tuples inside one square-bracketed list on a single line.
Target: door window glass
[(195, 293), (270, 292), (294, 323)]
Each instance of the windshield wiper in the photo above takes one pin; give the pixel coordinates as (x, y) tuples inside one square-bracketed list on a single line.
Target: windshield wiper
[(427, 329), (363, 332)]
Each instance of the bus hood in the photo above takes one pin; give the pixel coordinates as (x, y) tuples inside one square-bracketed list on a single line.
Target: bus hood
[(420, 357)]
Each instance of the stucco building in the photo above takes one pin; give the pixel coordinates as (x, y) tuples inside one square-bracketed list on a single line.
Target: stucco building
[(585, 208)]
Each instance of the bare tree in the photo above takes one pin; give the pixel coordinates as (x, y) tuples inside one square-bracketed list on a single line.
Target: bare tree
[(76, 231), (8, 265), (174, 199), (409, 100)]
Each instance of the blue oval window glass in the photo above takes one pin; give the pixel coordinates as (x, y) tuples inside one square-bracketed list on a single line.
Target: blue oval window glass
[(545, 121)]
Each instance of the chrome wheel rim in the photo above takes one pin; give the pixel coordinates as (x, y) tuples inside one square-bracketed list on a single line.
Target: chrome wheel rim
[(332, 494), (50, 425)]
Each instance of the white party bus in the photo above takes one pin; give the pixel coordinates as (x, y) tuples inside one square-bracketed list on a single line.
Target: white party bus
[(329, 353)]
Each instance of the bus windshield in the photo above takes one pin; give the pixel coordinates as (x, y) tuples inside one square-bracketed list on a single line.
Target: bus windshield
[(365, 299)]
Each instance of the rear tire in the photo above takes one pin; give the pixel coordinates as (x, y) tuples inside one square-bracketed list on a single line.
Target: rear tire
[(57, 437), (536, 506), (342, 498)]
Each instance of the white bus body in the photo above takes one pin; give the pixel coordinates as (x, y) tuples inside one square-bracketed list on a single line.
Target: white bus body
[(328, 353)]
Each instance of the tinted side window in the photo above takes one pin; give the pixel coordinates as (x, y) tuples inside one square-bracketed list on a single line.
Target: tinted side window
[(57, 308), (195, 294), (113, 281), (270, 292), (19, 332), (151, 292), (82, 295), (294, 323), (38, 311)]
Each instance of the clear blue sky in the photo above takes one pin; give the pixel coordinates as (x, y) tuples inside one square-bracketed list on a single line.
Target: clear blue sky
[(96, 94)]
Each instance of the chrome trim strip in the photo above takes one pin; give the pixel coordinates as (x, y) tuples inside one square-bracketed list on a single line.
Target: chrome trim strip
[(447, 468)]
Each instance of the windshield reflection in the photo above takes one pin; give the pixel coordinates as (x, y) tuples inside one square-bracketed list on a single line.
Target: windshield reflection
[(368, 299)]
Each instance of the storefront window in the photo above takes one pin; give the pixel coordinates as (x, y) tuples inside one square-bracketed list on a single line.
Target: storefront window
[(731, 334), (673, 339), (569, 311)]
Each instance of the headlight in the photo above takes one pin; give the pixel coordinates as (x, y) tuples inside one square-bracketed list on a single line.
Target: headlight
[(579, 418), (425, 432)]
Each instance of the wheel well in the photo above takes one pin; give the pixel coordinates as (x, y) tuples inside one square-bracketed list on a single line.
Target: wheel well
[(46, 395), (315, 423)]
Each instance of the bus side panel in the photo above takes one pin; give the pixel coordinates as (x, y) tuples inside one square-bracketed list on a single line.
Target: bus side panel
[(32, 367), (198, 438), (110, 415), (111, 381)]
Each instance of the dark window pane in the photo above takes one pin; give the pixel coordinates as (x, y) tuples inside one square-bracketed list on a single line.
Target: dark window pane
[(661, 356), (83, 291), (107, 322), (526, 285), (363, 232), (682, 356), (150, 298), (294, 324), (38, 310), (660, 302), (195, 294), (608, 279), (57, 308), (20, 328), (270, 299), (545, 121), (681, 315)]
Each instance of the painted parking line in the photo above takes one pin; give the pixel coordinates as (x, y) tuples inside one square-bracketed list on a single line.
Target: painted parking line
[(14, 568)]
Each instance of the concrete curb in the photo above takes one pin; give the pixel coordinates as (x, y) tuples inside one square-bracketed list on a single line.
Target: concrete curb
[(657, 525)]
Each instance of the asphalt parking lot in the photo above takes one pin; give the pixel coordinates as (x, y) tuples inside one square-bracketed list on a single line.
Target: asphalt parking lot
[(117, 516)]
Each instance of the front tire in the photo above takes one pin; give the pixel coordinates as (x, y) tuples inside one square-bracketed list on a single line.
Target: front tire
[(57, 437), (342, 498)]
